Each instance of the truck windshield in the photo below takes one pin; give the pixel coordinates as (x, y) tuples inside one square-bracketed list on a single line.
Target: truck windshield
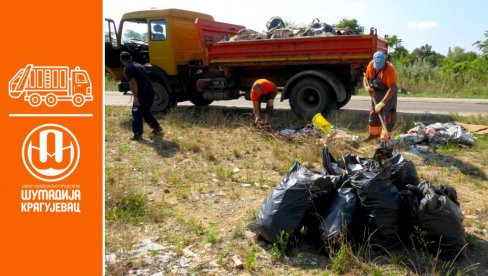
[(134, 32)]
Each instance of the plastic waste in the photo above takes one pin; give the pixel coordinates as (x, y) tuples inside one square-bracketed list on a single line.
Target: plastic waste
[(440, 220), (321, 123), (381, 201), (289, 202)]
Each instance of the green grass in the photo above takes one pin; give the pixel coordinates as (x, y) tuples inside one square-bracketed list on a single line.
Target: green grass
[(481, 93), (187, 189), (110, 83), (130, 207), (426, 89)]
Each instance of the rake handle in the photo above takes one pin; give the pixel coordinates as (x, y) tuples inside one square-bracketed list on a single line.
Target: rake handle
[(381, 120)]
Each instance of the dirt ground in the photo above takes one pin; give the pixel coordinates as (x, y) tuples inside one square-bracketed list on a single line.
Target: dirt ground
[(203, 182)]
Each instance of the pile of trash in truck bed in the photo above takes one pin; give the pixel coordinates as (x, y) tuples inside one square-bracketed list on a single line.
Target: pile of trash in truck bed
[(276, 28)]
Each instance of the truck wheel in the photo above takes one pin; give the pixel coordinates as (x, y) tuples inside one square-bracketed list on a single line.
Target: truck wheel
[(51, 100), (161, 102), (35, 100), (78, 100), (343, 103), (199, 101), (310, 96)]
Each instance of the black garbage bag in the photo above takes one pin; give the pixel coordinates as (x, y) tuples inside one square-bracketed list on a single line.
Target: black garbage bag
[(354, 164), (340, 221), (317, 28), (403, 172), (275, 22), (329, 163), (448, 191), (440, 221), (289, 202), (381, 202)]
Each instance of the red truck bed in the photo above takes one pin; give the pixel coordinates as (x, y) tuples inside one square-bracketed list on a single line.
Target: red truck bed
[(297, 50)]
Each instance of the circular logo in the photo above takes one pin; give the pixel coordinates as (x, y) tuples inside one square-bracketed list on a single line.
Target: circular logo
[(50, 152)]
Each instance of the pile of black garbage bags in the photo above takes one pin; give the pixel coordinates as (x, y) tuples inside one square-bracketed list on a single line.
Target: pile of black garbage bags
[(378, 201)]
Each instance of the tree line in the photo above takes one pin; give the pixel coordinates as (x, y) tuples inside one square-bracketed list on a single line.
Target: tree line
[(424, 71)]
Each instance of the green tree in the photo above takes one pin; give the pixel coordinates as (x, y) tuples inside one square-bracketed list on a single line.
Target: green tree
[(426, 54), (352, 24), (458, 55), (482, 45), (397, 52), (131, 34), (394, 42)]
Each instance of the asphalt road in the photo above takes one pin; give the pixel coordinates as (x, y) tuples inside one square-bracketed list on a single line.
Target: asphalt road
[(405, 105)]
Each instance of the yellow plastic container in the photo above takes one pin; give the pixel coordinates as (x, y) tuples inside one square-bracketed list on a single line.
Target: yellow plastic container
[(321, 123)]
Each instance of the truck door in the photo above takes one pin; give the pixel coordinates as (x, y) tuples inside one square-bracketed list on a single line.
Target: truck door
[(161, 46), (112, 50), (79, 82)]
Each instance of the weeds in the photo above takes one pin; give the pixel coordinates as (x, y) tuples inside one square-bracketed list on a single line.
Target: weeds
[(211, 233), (250, 257), (279, 248), (131, 207), (341, 260), (156, 183), (239, 231)]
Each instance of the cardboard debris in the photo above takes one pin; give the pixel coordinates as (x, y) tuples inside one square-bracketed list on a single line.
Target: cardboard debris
[(478, 129)]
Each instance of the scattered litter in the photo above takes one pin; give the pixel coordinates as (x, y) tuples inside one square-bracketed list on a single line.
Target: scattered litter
[(237, 262), (478, 129), (437, 134), (321, 123), (309, 130), (111, 258)]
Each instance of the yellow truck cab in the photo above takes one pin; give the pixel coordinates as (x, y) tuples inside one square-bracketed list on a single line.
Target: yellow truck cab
[(166, 42)]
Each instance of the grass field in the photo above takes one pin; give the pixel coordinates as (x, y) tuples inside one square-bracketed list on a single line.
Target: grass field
[(197, 187)]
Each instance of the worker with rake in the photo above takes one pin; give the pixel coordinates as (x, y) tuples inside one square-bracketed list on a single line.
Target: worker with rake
[(380, 82)]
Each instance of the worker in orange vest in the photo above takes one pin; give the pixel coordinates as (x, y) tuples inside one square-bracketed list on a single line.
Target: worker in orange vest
[(380, 82), (263, 90)]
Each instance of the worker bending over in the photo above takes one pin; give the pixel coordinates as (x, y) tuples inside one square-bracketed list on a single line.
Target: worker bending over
[(263, 90)]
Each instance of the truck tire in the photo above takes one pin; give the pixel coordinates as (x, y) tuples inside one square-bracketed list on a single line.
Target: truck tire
[(78, 100), (343, 103), (35, 100), (199, 101), (310, 96), (51, 100), (162, 101)]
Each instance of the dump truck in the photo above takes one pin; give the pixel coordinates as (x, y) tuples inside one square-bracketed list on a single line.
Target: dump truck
[(51, 84), (188, 56)]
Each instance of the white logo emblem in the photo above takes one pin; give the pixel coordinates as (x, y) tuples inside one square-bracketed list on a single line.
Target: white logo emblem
[(50, 152)]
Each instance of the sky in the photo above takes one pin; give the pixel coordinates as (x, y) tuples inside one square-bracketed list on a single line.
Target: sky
[(441, 24)]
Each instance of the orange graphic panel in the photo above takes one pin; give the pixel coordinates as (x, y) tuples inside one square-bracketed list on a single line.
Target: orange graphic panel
[(51, 115)]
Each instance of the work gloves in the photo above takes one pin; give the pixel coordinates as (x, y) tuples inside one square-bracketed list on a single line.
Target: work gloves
[(379, 106)]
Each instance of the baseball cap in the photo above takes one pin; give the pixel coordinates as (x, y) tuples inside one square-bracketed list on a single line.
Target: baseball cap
[(379, 59)]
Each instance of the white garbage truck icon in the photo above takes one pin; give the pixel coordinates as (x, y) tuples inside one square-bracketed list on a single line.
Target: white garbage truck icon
[(51, 84)]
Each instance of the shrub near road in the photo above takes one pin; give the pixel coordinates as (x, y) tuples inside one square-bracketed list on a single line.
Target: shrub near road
[(180, 203)]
